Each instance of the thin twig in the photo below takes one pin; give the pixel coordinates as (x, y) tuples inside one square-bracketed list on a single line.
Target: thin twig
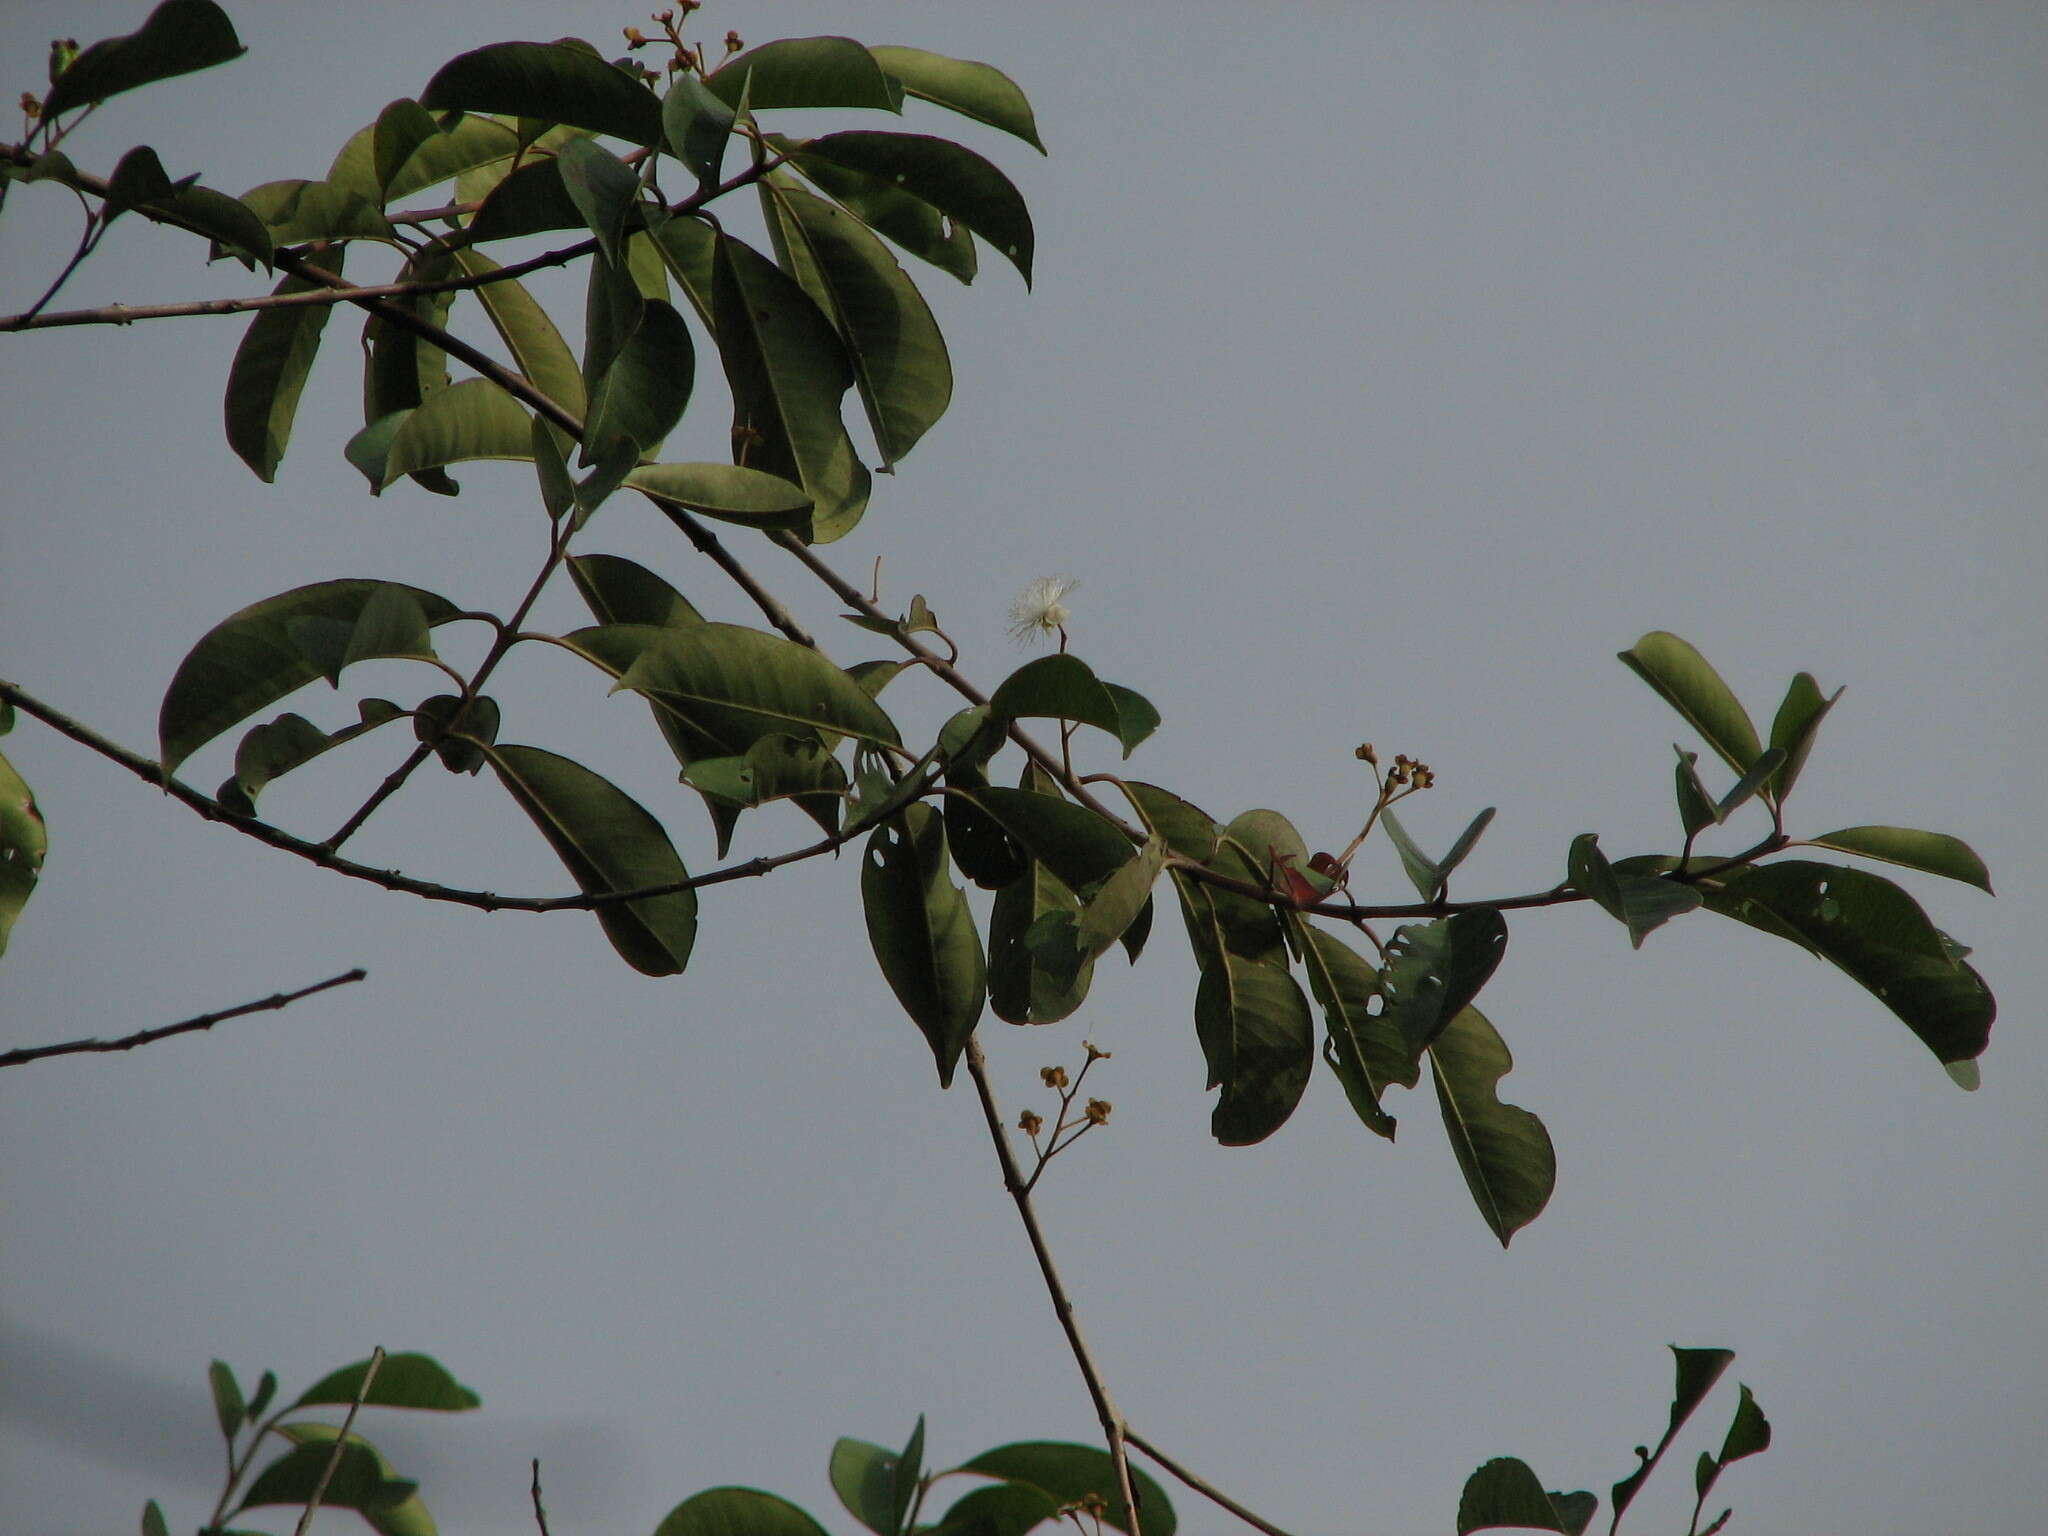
[(1202, 1486), (1063, 1307), (340, 1442), (150, 1036), (540, 1510)]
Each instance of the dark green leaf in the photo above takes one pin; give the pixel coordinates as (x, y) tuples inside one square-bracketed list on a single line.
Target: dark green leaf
[(536, 346), (1696, 810), (1188, 832), (979, 91), (401, 128), (737, 1512), (1121, 900), (1072, 1472), (458, 734), (911, 222), (1935, 852), (24, 840), (229, 1410), (1641, 903), (268, 374), (1075, 843), (179, 37), (403, 1381), (1027, 983), (604, 191), (1136, 718), (471, 420), (788, 371), (290, 741), (898, 356), (642, 394), (727, 492), (1698, 1370), (295, 211), (997, 1509), (556, 82), (1759, 773), (776, 768), (737, 685), (1503, 1150), (864, 1477), (1259, 1042), (229, 222), (362, 1481), (922, 932), (266, 1389), (609, 842), (1682, 677), (909, 1469), (1433, 970), (1059, 687), (369, 164), (1875, 933), (806, 72), (622, 592), (1748, 1433), (251, 659), (139, 177), (952, 178), (1793, 730), (1362, 1046), (153, 1520), (696, 125), (529, 201), (1505, 1494)]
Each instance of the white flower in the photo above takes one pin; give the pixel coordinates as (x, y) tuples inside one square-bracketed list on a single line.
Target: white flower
[(1042, 610)]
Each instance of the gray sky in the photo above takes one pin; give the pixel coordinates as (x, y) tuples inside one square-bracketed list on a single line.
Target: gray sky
[(1389, 368)]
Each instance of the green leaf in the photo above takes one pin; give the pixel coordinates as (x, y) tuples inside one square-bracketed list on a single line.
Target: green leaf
[(251, 659), (606, 193), (363, 1481), (909, 1470), (153, 1520), (776, 768), (1027, 983), (1122, 900), (401, 128), (1748, 1433), (369, 165), (619, 591), (1935, 852), (997, 1509), (24, 840), (914, 224), (1072, 841), (557, 82), (1696, 811), (1876, 934), (979, 91), (806, 72), (1420, 869), (1070, 1473), (229, 1410), (1433, 970), (952, 178), (1136, 718), (1259, 1042), (788, 371), (737, 1512), (1503, 1150), (266, 1389), (268, 374), (139, 177), (1641, 903), (1188, 832), (458, 733), (749, 497), (404, 1380), (179, 37), (696, 125), (400, 369), (1758, 774), (290, 741), (1505, 1494), (1058, 687), (609, 842), (897, 354), (1362, 1046), (1793, 730), (736, 685), (471, 420), (536, 346), (295, 210), (229, 222), (864, 1477), (641, 396), (922, 932), (1698, 1370), (1683, 679), (528, 201)]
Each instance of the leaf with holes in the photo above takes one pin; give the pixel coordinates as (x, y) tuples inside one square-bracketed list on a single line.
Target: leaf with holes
[(1362, 1046), (24, 840), (1433, 970), (952, 178), (1503, 1150)]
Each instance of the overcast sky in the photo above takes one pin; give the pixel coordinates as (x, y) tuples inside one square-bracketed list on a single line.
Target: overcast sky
[(1389, 368)]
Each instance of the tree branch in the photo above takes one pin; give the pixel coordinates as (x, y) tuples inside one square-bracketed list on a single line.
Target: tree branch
[(1202, 1486), (151, 1036)]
